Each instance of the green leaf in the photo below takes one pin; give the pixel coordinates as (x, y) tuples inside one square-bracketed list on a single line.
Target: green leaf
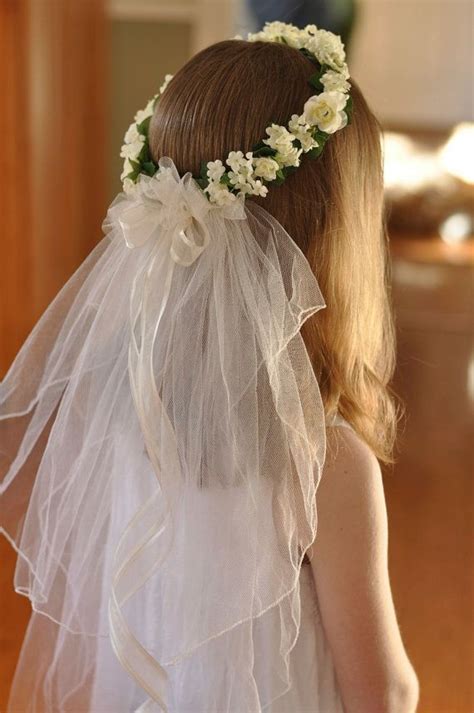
[(202, 182), (203, 170), (348, 109), (136, 165), (144, 154), (309, 56), (280, 177), (320, 136), (315, 79), (149, 168), (315, 152), (315, 82), (225, 179), (264, 151), (142, 128)]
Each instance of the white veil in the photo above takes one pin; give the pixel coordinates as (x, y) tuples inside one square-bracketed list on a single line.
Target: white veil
[(162, 440)]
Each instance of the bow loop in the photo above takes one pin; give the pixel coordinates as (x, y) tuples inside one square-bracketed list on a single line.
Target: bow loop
[(165, 206)]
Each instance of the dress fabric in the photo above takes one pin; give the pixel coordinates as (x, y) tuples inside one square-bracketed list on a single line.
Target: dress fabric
[(42, 680)]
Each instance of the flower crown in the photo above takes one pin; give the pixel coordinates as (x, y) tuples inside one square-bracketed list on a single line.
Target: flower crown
[(278, 155)]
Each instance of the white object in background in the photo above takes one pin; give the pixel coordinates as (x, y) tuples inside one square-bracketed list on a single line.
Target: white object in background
[(458, 153)]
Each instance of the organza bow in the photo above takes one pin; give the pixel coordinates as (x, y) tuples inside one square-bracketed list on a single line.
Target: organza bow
[(167, 205)]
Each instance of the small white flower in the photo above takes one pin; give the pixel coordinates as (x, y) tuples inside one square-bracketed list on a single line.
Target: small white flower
[(132, 134), (220, 194), (326, 111), (258, 189), (244, 188), (133, 149), (215, 170), (289, 157), (335, 81), (143, 114), (168, 78), (302, 131), (266, 168), (275, 30), (328, 49), (241, 171), (236, 161), (295, 38), (279, 139)]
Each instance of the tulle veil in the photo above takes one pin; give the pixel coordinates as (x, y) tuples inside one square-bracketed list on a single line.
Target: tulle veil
[(162, 440)]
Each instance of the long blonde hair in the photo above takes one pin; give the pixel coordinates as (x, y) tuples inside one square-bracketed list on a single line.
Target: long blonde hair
[(221, 100)]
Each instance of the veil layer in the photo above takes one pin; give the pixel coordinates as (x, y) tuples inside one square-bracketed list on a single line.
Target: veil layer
[(162, 440)]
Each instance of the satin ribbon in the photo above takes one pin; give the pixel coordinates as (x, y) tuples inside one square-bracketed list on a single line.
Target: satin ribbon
[(165, 206)]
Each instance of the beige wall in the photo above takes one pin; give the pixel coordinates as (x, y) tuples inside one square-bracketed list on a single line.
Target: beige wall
[(148, 39), (140, 54), (414, 60)]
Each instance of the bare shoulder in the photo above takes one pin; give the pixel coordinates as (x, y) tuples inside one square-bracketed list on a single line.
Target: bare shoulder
[(350, 568), (351, 473), (346, 450)]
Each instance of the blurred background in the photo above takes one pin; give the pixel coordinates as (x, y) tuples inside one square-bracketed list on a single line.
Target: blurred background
[(74, 72)]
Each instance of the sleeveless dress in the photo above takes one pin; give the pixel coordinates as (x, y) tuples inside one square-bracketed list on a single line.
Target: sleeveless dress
[(314, 684)]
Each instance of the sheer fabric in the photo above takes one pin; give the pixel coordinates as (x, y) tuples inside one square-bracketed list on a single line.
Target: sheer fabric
[(162, 439)]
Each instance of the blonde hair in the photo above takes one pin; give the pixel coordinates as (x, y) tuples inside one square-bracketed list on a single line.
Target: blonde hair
[(222, 100)]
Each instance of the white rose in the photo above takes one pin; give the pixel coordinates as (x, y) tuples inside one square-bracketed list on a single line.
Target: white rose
[(279, 139), (328, 49), (266, 168), (335, 81), (326, 111)]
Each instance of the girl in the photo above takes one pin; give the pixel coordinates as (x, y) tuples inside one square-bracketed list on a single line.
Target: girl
[(193, 430)]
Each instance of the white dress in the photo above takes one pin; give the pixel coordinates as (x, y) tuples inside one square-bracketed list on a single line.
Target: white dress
[(314, 686)]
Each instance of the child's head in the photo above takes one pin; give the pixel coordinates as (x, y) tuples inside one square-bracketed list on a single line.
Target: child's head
[(222, 100)]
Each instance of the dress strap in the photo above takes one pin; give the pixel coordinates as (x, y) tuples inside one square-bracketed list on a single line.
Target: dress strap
[(337, 420)]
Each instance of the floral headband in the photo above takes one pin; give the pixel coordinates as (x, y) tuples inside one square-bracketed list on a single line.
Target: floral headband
[(278, 155)]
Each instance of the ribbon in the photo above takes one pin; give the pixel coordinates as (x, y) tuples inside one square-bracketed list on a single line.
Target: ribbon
[(166, 206)]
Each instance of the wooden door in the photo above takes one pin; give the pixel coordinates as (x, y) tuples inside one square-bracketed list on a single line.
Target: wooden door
[(52, 187)]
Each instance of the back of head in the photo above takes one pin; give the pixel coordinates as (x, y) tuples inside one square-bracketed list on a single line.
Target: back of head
[(222, 100)]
